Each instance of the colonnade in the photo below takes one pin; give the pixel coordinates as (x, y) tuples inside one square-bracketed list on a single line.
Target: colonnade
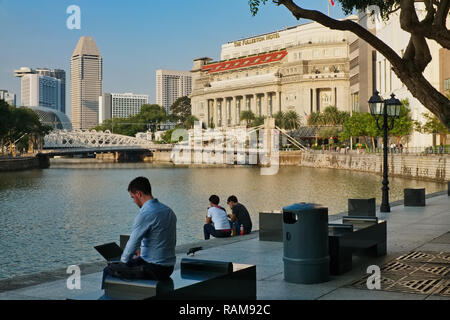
[(226, 111)]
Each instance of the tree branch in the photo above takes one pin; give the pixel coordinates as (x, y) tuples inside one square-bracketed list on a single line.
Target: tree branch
[(436, 31), (345, 25)]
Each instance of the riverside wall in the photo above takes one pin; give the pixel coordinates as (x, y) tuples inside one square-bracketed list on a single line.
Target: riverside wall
[(24, 163), (429, 167)]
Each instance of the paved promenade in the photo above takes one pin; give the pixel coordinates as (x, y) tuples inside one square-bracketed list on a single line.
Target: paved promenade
[(425, 230)]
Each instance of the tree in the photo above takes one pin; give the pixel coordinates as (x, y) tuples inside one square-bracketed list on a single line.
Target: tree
[(291, 120), (333, 117), (404, 124), (182, 108), (279, 119), (150, 115), (316, 119), (247, 116), (19, 127), (409, 68), (190, 121), (433, 126), (360, 125), (259, 120)]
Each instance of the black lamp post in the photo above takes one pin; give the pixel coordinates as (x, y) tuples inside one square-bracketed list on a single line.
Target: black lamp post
[(388, 109)]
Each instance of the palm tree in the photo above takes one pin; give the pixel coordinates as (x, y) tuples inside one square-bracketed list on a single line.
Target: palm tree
[(316, 119), (279, 119), (292, 120), (332, 116), (247, 116)]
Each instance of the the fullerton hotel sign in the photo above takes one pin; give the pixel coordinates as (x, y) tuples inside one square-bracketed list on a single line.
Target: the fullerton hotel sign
[(257, 39)]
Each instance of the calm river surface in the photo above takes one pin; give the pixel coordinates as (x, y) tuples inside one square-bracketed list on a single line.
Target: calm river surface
[(52, 218)]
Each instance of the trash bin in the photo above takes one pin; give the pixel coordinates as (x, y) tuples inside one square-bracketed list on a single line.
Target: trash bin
[(305, 243)]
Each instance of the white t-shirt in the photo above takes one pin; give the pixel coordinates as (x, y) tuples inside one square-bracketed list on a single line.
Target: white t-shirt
[(219, 218)]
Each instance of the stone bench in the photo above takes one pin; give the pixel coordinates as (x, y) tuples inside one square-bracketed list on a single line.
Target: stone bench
[(355, 233), (362, 207), (195, 280), (414, 197)]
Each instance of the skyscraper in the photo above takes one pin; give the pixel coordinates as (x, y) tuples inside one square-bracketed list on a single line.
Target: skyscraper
[(171, 85), (57, 74), (86, 75)]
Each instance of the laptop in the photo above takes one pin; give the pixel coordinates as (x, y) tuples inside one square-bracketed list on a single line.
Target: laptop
[(110, 251)]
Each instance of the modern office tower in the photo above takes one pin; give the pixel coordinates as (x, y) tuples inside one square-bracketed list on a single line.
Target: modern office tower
[(171, 85), (120, 105), (9, 97), (41, 91), (52, 73), (86, 75)]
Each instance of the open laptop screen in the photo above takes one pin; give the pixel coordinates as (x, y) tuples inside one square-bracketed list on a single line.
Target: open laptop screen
[(109, 251)]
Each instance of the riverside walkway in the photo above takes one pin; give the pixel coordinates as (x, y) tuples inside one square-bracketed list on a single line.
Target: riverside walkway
[(419, 236)]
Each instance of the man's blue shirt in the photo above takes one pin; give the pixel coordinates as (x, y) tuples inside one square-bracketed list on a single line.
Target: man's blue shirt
[(154, 230)]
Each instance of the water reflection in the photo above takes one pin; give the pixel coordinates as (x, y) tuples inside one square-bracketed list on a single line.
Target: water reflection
[(52, 218)]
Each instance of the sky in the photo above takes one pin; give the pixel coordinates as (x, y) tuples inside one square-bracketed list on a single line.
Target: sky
[(135, 37)]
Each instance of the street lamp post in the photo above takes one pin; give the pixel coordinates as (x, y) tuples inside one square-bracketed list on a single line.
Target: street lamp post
[(388, 109)]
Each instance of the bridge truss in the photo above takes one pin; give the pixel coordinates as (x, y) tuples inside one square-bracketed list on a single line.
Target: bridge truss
[(91, 139)]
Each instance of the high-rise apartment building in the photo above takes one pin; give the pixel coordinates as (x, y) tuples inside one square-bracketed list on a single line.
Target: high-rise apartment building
[(120, 105), (171, 85), (86, 75), (9, 97), (51, 73)]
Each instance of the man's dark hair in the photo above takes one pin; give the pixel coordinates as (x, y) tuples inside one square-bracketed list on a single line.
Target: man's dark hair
[(232, 199), (140, 184), (214, 199)]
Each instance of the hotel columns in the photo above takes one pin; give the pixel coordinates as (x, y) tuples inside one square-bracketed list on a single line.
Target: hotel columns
[(266, 104), (233, 111)]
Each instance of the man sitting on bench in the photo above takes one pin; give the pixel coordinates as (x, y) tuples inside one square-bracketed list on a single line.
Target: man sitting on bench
[(154, 231)]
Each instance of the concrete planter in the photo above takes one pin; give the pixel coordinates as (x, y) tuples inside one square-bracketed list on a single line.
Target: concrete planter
[(414, 197), (271, 226)]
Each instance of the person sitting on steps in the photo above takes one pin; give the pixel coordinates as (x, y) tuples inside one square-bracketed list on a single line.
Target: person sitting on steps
[(217, 223)]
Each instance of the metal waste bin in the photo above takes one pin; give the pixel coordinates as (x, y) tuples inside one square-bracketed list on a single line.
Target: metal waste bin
[(305, 243)]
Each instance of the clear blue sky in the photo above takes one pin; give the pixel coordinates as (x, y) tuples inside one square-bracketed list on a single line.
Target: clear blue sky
[(135, 37)]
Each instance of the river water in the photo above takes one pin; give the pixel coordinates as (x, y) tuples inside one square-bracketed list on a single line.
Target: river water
[(52, 218)]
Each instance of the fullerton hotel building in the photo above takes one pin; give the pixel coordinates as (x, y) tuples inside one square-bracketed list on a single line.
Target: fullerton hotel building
[(303, 68)]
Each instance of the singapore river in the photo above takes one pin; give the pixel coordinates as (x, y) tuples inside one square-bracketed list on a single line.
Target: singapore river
[(52, 218)]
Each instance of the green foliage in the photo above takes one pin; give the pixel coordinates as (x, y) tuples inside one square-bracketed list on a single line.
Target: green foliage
[(279, 119), (331, 116), (18, 126), (190, 121), (148, 117), (329, 133), (181, 108), (348, 6), (259, 120), (291, 120), (404, 124), (433, 125), (360, 125), (248, 116), (365, 125)]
